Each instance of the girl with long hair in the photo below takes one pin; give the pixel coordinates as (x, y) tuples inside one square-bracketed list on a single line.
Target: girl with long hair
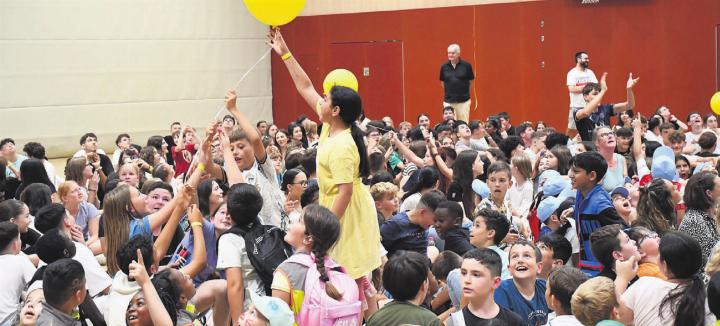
[(293, 185), (81, 171), (33, 171), (297, 134), (342, 162), (427, 180), (681, 300), (282, 141), (468, 165), (656, 206), (313, 235), (702, 192), (124, 215)]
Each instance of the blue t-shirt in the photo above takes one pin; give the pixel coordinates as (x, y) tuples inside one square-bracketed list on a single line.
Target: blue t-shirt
[(398, 233), (533, 312), (140, 226), (187, 246), (86, 213)]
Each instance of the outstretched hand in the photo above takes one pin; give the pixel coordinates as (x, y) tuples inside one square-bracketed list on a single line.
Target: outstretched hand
[(276, 41), (137, 270), (194, 214), (603, 82), (632, 82), (230, 100)]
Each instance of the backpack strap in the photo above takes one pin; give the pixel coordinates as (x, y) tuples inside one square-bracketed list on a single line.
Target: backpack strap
[(302, 259)]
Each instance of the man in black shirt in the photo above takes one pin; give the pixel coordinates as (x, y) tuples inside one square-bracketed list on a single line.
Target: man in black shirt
[(456, 76)]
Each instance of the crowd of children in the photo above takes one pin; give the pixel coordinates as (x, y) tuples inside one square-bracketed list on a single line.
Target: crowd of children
[(351, 221)]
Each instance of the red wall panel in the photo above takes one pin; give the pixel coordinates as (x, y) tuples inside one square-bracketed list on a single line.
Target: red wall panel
[(669, 44)]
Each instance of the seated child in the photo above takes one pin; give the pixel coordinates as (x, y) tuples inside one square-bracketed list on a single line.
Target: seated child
[(123, 289), (648, 243), (480, 278), (316, 231), (18, 271), (64, 289), (405, 276), (445, 262), (524, 294), (498, 181), (408, 230), (561, 284), (386, 200), (267, 311), (556, 215), (595, 301), (448, 216), (555, 253), (609, 244)]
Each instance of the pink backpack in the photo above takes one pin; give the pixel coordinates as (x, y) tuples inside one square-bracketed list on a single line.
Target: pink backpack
[(319, 309)]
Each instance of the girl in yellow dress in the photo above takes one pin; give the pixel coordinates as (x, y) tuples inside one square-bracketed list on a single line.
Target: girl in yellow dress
[(341, 163)]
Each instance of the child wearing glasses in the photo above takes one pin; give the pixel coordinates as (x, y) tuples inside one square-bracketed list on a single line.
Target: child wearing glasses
[(648, 244)]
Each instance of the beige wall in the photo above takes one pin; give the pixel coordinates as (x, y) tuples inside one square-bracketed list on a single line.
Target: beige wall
[(328, 7), (112, 66)]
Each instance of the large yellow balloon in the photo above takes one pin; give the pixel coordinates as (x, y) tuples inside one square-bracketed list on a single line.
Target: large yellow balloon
[(340, 77), (275, 12), (715, 103)]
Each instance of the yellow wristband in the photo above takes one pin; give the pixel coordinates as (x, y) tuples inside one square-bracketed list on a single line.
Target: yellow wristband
[(9, 164), (286, 56), (201, 167), (196, 224)]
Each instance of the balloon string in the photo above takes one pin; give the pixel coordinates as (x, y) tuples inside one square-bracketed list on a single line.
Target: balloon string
[(222, 107)]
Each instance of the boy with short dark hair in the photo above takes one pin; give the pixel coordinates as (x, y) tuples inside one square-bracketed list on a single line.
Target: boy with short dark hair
[(609, 244), (561, 284), (499, 180), (556, 251), (17, 271), (480, 279), (489, 229), (123, 289), (593, 206), (448, 217), (405, 276), (408, 230), (524, 294), (64, 289)]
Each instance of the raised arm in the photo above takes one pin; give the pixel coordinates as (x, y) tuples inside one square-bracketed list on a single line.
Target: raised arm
[(637, 151), (234, 175), (591, 106), (158, 314), (630, 103), (253, 135), (300, 78), (439, 163), (163, 241), (406, 152), (199, 258)]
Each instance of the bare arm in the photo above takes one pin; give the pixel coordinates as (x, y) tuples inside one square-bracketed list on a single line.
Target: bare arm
[(591, 106), (342, 199), (199, 258), (300, 78), (406, 152), (439, 163), (637, 151), (236, 292), (158, 314), (253, 135), (234, 174), (630, 103), (163, 241)]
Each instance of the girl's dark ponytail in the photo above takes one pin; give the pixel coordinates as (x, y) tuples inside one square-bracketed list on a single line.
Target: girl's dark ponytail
[(350, 106), (359, 138)]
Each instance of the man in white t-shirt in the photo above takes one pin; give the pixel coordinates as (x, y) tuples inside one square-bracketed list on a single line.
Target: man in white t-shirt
[(577, 78)]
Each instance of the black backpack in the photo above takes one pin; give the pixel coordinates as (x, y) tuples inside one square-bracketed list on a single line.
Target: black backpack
[(266, 249)]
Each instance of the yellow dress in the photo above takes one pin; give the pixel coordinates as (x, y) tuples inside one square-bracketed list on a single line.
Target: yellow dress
[(358, 249)]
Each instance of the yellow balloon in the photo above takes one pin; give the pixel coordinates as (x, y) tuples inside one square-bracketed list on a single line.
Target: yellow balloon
[(275, 12), (340, 77), (715, 103)]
